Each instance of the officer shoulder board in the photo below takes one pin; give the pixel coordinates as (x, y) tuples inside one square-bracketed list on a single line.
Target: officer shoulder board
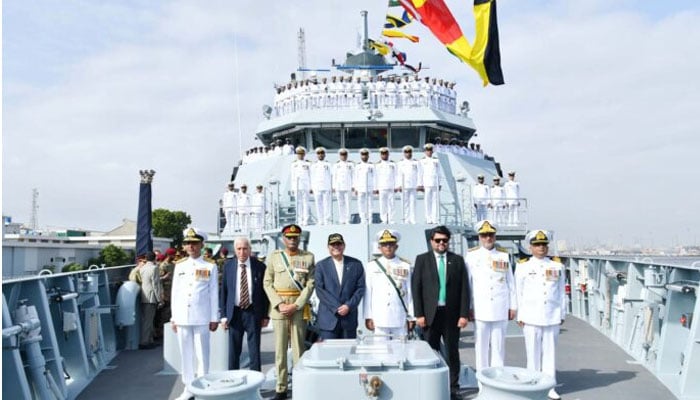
[(556, 259), (522, 260), (474, 248), (502, 249), (179, 260), (405, 260)]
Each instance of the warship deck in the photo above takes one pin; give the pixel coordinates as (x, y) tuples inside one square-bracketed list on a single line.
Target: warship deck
[(589, 366)]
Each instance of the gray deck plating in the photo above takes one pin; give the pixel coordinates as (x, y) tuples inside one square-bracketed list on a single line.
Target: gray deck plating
[(589, 366)]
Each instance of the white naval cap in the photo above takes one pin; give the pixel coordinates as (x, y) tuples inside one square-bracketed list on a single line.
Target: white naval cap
[(300, 150), (364, 150), (407, 148), (320, 149), (343, 151), (538, 236), (511, 173), (484, 226), (193, 234), (383, 149), (388, 236)]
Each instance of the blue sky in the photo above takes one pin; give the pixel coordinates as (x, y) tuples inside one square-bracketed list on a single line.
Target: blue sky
[(598, 114)]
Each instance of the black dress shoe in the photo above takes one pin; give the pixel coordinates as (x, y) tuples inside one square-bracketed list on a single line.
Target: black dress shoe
[(280, 396)]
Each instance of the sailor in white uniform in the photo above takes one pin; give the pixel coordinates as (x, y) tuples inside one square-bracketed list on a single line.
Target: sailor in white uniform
[(512, 192), (321, 186), (385, 185), (342, 185), (243, 208), (380, 92), (409, 172), (388, 304), (195, 307), (430, 184), (541, 297), (300, 185), (363, 186), (482, 198), (228, 205), (493, 296), (498, 202), (257, 208), (390, 97)]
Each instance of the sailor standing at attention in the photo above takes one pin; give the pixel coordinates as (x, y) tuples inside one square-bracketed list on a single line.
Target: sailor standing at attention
[(363, 186), (498, 201), (257, 208), (429, 182), (493, 296), (385, 185), (388, 304), (409, 172), (195, 307), (342, 185), (321, 186), (541, 297), (512, 189), (482, 198), (300, 185), (243, 208), (228, 204), (288, 283)]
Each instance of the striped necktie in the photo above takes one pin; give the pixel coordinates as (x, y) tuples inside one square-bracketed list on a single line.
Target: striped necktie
[(245, 296)]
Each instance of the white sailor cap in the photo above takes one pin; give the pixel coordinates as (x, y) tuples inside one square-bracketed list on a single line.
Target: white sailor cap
[(388, 236), (484, 226), (428, 146), (407, 148), (300, 150), (496, 178), (343, 151), (364, 150), (320, 149), (480, 176), (231, 183), (538, 236), (193, 234), (383, 150), (511, 173)]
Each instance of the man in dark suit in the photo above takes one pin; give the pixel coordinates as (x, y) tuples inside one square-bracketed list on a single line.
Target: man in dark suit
[(441, 298), (340, 285), (244, 304)]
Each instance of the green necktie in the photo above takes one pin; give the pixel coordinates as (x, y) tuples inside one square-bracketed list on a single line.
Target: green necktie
[(441, 274)]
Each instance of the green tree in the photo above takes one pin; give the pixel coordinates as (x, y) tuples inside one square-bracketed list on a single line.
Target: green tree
[(113, 255), (72, 267), (170, 224)]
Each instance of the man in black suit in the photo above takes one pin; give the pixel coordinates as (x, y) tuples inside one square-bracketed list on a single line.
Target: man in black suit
[(440, 288), (340, 285), (244, 304)]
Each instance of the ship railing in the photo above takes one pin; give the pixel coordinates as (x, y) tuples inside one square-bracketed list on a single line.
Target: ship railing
[(649, 309)]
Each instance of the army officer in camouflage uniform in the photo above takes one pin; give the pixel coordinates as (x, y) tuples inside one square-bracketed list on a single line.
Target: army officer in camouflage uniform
[(288, 283)]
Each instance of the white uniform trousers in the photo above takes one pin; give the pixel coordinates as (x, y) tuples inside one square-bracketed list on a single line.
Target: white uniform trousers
[(323, 206), (497, 214), (302, 206), (431, 204), (408, 201), (343, 197), (386, 206), (193, 338), (230, 215), (256, 221), (540, 344), (481, 213), (490, 335), (513, 214), (382, 332), (364, 207)]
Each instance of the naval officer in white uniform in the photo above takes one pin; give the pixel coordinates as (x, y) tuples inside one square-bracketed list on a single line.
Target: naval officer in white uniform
[(541, 297), (228, 204), (512, 193), (430, 184), (493, 296), (482, 198), (388, 304), (363, 186), (301, 184), (385, 185), (321, 186), (195, 307), (342, 185), (409, 172)]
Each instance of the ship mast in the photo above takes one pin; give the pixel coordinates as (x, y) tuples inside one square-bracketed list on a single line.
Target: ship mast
[(301, 50)]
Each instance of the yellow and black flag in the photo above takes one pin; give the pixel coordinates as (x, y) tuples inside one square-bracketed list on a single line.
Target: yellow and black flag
[(486, 54)]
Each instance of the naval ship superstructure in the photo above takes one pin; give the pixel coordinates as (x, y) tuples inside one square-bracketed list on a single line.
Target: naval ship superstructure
[(317, 115)]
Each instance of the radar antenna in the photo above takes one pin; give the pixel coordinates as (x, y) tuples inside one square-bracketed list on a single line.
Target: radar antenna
[(301, 41)]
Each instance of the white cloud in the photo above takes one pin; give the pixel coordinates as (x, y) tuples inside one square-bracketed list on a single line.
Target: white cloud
[(597, 114)]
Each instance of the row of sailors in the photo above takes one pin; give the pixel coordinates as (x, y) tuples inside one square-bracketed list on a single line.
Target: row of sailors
[(390, 92), (499, 203), (453, 146), (244, 212), (383, 178)]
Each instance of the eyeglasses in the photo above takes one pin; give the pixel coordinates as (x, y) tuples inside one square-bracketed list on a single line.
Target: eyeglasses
[(487, 234), (441, 240), (540, 244), (386, 244)]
